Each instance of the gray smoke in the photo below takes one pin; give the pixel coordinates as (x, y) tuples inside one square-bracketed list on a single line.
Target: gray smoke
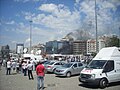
[(79, 35)]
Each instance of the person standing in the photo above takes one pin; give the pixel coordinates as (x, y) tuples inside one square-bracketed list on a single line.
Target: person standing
[(30, 68), (40, 71), (24, 67), (8, 66), (17, 67)]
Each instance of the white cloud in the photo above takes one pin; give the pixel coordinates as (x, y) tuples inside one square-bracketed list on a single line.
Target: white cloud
[(27, 40), (48, 8), (59, 17), (10, 22), (25, 1), (105, 12)]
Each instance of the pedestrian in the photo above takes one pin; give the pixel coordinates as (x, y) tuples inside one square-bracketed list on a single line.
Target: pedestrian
[(8, 67), (0, 63), (14, 65), (40, 71), (24, 67), (17, 67), (30, 68)]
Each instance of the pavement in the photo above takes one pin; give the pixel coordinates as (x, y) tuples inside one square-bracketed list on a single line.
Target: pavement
[(52, 82)]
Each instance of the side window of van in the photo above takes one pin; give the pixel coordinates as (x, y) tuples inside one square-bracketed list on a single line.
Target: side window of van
[(109, 66)]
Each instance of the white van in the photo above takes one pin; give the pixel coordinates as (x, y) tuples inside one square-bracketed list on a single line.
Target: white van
[(103, 69)]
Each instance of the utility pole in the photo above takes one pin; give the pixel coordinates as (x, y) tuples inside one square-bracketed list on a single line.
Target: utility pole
[(119, 37), (30, 34), (96, 27)]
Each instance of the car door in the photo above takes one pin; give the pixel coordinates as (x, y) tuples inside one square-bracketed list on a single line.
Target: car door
[(74, 68), (80, 67)]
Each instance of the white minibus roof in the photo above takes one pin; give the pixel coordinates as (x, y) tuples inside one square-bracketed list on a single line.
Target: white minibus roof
[(108, 52)]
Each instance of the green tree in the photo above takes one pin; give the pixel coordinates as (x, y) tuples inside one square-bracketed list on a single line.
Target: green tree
[(113, 41)]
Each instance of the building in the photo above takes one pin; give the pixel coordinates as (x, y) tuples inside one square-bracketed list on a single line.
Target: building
[(101, 44), (39, 47), (5, 50), (19, 48), (79, 47), (58, 47), (91, 46)]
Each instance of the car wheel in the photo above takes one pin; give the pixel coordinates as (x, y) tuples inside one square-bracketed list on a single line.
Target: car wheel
[(103, 83), (68, 74)]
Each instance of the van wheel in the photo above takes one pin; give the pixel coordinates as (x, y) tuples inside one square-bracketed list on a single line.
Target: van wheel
[(103, 83), (68, 74)]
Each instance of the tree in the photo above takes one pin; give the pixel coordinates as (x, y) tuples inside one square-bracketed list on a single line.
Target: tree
[(113, 41)]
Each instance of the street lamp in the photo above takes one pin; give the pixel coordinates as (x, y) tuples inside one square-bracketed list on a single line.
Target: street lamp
[(119, 37), (30, 34), (96, 27)]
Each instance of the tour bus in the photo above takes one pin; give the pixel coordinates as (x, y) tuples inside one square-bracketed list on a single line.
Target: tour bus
[(103, 69)]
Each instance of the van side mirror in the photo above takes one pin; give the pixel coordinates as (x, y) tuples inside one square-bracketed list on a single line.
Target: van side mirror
[(104, 71)]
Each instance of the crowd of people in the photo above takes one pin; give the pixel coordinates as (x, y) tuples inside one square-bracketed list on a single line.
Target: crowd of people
[(26, 68)]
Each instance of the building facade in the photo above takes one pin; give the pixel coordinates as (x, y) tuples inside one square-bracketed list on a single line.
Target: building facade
[(58, 47), (5, 50), (79, 47), (91, 46)]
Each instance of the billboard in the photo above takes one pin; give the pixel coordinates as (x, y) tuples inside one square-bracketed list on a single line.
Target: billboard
[(19, 48)]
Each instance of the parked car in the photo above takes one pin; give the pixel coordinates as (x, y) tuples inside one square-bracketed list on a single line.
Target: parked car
[(51, 67), (46, 62), (69, 69)]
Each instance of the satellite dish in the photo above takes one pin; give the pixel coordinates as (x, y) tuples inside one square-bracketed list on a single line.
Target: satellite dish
[(32, 51), (25, 50), (38, 52)]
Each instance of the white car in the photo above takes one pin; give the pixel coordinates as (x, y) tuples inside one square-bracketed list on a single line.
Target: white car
[(51, 67)]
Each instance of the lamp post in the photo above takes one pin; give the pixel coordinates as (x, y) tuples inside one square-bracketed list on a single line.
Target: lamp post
[(30, 34), (119, 37), (96, 27)]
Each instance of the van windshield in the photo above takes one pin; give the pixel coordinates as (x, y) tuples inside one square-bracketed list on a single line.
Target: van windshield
[(97, 64)]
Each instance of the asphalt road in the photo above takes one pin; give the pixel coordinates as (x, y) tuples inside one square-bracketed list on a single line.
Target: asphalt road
[(52, 82)]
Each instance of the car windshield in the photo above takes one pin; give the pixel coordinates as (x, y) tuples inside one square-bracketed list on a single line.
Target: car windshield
[(51, 63), (97, 64), (67, 65), (47, 62)]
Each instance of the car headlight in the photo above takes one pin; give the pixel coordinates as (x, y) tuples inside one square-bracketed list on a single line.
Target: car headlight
[(93, 76)]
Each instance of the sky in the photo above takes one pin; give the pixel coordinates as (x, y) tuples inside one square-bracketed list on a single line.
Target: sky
[(53, 19)]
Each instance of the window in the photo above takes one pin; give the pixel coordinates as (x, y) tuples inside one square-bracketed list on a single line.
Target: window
[(75, 65), (80, 64), (109, 66), (57, 64)]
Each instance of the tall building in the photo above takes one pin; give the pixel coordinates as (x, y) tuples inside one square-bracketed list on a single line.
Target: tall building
[(19, 48), (101, 44), (79, 47), (91, 46), (5, 50)]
